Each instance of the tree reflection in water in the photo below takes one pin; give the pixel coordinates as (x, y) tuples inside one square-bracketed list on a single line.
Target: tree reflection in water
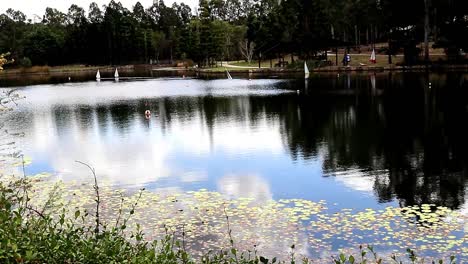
[(392, 130)]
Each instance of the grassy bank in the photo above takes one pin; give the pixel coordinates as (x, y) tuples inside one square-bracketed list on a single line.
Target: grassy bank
[(63, 69), (49, 69), (357, 64)]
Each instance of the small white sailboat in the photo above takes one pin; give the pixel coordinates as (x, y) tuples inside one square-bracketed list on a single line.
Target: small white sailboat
[(306, 70), (116, 74), (373, 58), (228, 75), (98, 76)]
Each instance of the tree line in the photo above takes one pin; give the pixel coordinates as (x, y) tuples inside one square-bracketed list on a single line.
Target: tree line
[(229, 29)]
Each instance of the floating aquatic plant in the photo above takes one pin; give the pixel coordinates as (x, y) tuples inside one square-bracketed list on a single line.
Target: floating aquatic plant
[(316, 228)]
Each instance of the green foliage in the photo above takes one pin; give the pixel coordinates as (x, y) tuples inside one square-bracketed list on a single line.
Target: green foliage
[(117, 35), (54, 235), (25, 62), (368, 255), (29, 235), (44, 46), (4, 60), (312, 63)]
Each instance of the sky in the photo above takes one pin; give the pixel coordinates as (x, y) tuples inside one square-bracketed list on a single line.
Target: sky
[(37, 7)]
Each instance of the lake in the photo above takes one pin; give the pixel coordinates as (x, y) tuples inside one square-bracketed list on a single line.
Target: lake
[(367, 141)]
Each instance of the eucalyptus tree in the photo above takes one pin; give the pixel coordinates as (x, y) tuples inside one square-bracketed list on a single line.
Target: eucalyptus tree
[(95, 14), (44, 46), (76, 36), (54, 17), (12, 30)]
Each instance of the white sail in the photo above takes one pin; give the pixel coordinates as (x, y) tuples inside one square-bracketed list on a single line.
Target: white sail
[(98, 75), (116, 74), (306, 70), (373, 58), (228, 75)]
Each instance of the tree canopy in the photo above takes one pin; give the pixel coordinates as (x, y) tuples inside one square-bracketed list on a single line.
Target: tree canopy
[(222, 29)]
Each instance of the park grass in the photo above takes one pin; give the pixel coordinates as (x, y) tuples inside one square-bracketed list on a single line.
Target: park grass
[(224, 68), (67, 68), (254, 64), (362, 60), (382, 60), (358, 60)]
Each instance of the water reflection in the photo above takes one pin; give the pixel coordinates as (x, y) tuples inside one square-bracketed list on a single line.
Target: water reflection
[(387, 136), (246, 186)]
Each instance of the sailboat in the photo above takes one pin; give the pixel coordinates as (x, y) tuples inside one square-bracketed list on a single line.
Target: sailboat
[(228, 75), (306, 70), (116, 74), (373, 59), (98, 76)]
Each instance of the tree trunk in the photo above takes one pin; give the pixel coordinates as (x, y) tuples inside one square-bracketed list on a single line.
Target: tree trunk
[(426, 30), (146, 49), (336, 56), (389, 50), (109, 47), (376, 36), (171, 55), (355, 35), (367, 36), (434, 29), (359, 38)]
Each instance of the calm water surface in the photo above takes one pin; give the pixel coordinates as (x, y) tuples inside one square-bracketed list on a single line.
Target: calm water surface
[(356, 141), (359, 141)]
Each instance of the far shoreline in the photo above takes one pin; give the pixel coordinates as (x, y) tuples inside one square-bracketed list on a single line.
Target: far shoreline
[(127, 67), (83, 73)]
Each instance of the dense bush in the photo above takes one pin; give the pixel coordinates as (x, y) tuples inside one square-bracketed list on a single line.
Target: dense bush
[(25, 62), (30, 235), (311, 64)]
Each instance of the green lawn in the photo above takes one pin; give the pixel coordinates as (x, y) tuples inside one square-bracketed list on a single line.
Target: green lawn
[(222, 69), (264, 64), (356, 60)]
